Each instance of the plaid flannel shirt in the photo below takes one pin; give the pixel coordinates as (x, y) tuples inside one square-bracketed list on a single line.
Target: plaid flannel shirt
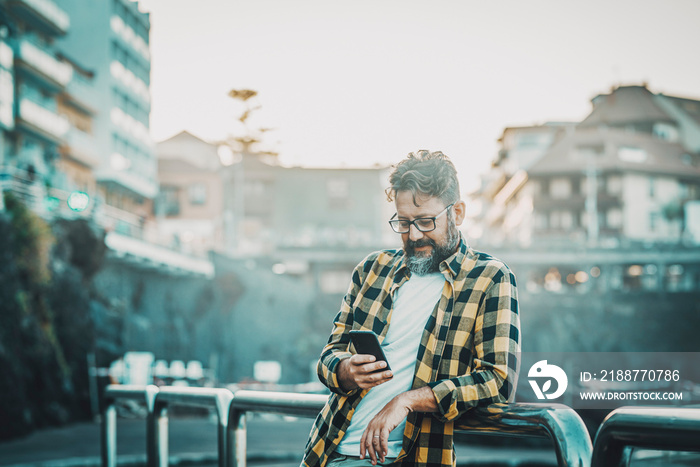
[(468, 353)]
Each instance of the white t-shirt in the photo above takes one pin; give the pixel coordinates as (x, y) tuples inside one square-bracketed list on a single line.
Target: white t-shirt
[(413, 304)]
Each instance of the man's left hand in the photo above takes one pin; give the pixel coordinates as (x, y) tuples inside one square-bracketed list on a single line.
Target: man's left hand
[(375, 439)]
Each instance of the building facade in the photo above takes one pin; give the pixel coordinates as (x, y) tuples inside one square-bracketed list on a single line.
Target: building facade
[(110, 41), (32, 77), (189, 209), (628, 173)]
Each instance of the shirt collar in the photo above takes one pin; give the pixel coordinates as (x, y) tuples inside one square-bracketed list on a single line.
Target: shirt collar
[(452, 265)]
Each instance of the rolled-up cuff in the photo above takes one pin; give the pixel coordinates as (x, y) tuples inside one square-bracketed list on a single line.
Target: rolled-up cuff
[(331, 363), (444, 392)]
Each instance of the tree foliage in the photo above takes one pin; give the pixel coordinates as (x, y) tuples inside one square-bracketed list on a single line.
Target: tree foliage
[(46, 329)]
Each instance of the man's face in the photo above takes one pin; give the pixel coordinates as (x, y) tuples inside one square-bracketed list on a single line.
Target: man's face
[(425, 250)]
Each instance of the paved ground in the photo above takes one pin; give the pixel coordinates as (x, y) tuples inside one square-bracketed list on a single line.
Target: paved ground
[(271, 441)]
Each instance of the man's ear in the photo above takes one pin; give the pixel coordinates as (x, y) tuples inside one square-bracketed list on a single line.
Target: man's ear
[(460, 208)]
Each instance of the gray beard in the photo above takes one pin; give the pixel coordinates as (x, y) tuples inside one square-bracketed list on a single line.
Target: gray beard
[(422, 265)]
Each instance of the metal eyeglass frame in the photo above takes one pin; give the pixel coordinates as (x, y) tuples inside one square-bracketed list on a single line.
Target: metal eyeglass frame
[(394, 223)]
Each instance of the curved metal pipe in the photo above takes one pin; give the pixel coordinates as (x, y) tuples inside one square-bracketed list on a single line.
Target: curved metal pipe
[(654, 428), (558, 422), (285, 403)]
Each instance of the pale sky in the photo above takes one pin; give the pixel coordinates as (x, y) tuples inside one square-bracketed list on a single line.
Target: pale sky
[(353, 83)]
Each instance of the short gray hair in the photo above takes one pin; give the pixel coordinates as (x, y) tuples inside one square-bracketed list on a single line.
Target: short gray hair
[(425, 173)]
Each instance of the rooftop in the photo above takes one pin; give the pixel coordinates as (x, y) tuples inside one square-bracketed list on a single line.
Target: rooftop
[(612, 149)]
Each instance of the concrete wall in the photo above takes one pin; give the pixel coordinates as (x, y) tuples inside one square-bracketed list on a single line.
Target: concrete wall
[(245, 314)]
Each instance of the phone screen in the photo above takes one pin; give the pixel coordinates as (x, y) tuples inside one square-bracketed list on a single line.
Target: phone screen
[(367, 343)]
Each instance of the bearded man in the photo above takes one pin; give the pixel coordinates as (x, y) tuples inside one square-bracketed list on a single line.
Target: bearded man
[(448, 322)]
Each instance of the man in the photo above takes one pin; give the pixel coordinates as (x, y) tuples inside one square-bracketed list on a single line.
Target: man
[(447, 319)]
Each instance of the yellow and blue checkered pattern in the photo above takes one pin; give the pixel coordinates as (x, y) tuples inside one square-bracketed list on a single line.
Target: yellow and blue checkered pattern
[(468, 353)]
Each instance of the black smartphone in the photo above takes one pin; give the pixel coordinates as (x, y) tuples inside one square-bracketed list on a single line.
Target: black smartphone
[(367, 343)]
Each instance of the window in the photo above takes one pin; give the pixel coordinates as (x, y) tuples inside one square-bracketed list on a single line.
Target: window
[(614, 218), (614, 184), (653, 221), (560, 188), (198, 193), (665, 131), (169, 201), (631, 154), (561, 220), (566, 220), (541, 221)]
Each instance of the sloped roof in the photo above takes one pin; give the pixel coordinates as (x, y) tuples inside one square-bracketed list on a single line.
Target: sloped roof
[(186, 146), (691, 107), (626, 104), (179, 166), (184, 135), (660, 156)]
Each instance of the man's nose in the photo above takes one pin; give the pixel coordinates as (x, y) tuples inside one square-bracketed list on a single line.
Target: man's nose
[(413, 233)]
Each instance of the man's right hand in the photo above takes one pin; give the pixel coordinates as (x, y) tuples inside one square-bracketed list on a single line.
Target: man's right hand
[(358, 371)]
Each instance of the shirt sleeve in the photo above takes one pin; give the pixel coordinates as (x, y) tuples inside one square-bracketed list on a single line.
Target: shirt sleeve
[(336, 349), (494, 372)]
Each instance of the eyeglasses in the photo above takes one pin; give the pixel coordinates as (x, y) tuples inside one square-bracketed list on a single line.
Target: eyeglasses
[(423, 224)]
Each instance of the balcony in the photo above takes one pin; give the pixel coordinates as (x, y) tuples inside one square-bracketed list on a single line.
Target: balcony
[(42, 121), (42, 64), (82, 148), (574, 201), (43, 14), (129, 36), (138, 183), (26, 187), (127, 79), (148, 255)]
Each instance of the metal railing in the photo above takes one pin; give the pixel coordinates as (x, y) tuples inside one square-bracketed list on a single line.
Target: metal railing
[(218, 399), (557, 422), (303, 405), (668, 429), (108, 442)]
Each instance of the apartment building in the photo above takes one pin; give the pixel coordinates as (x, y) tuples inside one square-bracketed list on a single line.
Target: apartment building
[(31, 79), (628, 173), (108, 40), (495, 207), (189, 209), (79, 153)]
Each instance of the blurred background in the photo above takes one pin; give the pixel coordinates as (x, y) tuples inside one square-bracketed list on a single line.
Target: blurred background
[(187, 186)]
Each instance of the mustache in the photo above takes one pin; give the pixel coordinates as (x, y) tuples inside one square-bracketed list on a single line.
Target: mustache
[(419, 243)]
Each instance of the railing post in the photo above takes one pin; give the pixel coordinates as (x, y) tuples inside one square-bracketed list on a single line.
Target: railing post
[(146, 394), (237, 438), (217, 398), (151, 433), (158, 432), (223, 409), (109, 435)]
